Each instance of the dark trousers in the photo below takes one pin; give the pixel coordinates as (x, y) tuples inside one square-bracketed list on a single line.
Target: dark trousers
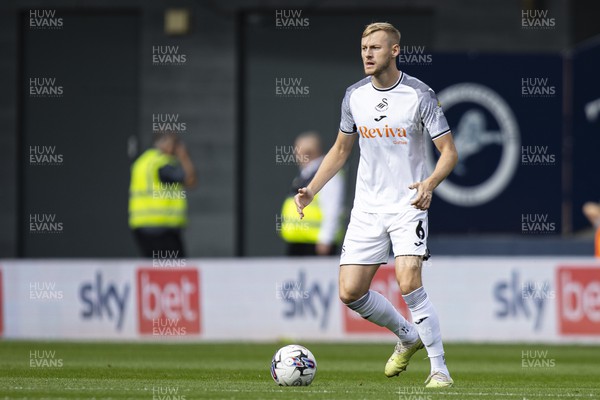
[(306, 249), (165, 243)]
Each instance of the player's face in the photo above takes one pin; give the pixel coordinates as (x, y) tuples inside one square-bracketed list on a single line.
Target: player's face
[(377, 52)]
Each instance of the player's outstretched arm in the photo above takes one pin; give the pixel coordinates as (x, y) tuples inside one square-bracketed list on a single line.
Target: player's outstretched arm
[(332, 163), (445, 164)]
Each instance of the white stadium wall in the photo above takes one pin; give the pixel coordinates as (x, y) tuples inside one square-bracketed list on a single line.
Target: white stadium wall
[(500, 299)]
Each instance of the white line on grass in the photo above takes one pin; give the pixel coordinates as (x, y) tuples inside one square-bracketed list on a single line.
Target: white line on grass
[(312, 391)]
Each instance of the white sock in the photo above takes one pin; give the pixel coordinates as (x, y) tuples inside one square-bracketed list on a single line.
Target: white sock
[(428, 325), (376, 308)]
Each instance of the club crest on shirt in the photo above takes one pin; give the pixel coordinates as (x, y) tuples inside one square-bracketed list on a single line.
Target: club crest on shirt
[(382, 105)]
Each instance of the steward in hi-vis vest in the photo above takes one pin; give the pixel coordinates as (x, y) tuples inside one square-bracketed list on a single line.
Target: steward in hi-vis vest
[(158, 198), (152, 202), (318, 233), (294, 230)]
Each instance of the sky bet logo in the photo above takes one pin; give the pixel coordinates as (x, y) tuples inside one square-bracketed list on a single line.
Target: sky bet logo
[(527, 300), (302, 301), (168, 301), (578, 300), (102, 300)]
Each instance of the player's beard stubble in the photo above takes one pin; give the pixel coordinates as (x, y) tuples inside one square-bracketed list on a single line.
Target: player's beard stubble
[(379, 68)]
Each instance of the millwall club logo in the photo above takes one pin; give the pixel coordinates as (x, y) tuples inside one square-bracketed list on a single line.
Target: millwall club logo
[(382, 106), (486, 129)]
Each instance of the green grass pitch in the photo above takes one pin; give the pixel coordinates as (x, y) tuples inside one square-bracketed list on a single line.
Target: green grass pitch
[(156, 371)]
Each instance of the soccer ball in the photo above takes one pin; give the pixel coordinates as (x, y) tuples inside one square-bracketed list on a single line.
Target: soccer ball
[(293, 365)]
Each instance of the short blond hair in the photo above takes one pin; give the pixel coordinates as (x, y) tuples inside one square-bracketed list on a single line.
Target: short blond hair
[(383, 26)]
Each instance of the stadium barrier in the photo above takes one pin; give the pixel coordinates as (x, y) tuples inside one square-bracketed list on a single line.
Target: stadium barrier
[(499, 299)]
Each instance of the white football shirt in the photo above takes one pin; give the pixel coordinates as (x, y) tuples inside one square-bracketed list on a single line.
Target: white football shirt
[(391, 125)]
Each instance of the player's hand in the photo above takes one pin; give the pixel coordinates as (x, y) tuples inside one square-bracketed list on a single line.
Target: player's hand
[(181, 150), (302, 199), (323, 249), (424, 195)]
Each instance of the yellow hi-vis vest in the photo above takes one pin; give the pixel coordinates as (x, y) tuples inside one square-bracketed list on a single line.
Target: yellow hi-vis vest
[(153, 203), (305, 230)]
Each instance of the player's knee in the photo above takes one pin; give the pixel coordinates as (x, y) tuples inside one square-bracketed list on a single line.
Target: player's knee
[(408, 286), (349, 295)]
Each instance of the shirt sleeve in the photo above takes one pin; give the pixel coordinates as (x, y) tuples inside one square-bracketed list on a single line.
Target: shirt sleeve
[(432, 115), (347, 124)]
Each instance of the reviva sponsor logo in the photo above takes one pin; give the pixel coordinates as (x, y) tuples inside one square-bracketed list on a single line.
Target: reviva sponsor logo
[(386, 131)]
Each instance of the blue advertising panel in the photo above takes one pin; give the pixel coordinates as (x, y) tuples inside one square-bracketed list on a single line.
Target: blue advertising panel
[(505, 112), (586, 129)]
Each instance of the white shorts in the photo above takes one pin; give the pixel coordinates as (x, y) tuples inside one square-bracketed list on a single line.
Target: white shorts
[(369, 235)]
